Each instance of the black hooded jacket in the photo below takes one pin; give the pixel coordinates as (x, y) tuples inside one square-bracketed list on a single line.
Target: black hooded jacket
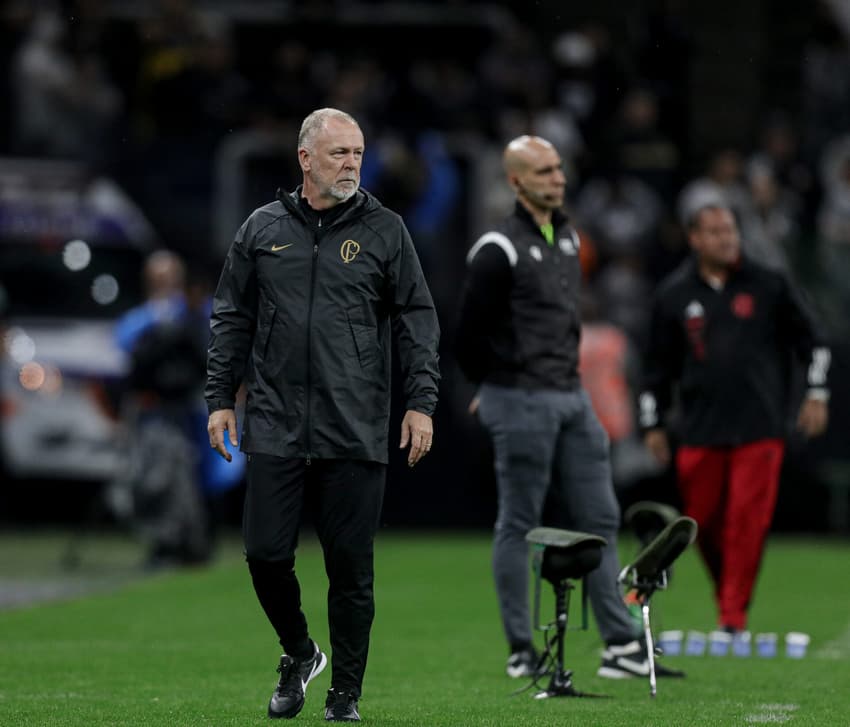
[(304, 311)]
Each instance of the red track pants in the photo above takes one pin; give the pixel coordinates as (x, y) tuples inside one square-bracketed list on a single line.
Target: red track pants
[(731, 493)]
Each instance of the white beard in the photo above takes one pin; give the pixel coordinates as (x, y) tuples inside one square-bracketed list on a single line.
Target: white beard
[(342, 195)]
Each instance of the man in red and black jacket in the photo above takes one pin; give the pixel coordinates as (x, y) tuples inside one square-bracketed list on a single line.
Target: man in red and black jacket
[(726, 329)]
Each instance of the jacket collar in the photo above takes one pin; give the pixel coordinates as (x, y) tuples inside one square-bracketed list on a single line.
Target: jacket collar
[(558, 217), (741, 268), (358, 205)]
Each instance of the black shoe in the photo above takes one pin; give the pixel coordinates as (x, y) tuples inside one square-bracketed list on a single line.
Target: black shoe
[(631, 660), (295, 675), (523, 663), (341, 706)]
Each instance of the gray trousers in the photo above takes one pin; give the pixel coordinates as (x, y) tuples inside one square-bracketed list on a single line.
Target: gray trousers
[(549, 445)]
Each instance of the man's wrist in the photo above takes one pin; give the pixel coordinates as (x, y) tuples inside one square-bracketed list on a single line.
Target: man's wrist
[(818, 393), (214, 405)]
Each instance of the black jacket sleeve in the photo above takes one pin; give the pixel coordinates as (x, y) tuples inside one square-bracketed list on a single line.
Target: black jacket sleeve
[(662, 364), (416, 328), (485, 294), (232, 324), (804, 338)]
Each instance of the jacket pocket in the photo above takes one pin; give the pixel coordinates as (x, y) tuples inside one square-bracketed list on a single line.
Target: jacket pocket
[(264, 330), (365, 338)]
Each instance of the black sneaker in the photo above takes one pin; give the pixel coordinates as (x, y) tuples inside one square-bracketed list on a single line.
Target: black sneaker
[(295, 675), (341, 706), (523, 663), (631, 660)]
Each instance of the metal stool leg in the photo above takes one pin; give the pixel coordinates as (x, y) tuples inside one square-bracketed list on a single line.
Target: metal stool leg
[(650, 647)]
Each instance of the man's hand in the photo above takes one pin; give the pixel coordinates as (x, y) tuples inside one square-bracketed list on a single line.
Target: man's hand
[(659, 446), (219, 422), (473, 405), (417, 430), (813, 417)]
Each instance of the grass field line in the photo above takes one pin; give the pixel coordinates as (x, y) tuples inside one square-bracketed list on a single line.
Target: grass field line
[(772, 714), (836, 650)]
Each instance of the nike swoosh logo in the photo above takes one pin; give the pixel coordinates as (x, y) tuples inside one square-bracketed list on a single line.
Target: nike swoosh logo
[(276, 248)]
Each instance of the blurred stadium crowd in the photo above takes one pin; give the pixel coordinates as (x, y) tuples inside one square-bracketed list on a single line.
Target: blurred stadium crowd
[(192, 109)]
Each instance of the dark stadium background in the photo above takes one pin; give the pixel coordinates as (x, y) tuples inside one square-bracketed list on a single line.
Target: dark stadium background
[(471, 72)]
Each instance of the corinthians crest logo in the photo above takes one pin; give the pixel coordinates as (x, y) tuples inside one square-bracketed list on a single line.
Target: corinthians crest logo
[(348, 250)]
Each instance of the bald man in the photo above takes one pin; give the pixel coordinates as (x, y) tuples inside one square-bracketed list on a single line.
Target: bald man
[(517, 339)]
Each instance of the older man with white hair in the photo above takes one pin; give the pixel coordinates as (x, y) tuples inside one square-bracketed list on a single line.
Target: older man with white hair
[(315, 286)]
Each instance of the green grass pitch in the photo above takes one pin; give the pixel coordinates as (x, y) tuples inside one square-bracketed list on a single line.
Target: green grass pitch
[(193, 647)]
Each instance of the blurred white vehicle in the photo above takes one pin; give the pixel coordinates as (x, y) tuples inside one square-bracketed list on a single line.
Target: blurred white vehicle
[(71, 251)]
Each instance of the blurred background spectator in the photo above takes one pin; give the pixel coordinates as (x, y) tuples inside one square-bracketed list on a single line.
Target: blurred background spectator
[(158, 488), (64, 105), (189, 108), (722, 182)]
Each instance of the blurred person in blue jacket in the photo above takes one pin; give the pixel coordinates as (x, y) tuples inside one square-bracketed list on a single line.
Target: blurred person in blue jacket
[(172, 478)]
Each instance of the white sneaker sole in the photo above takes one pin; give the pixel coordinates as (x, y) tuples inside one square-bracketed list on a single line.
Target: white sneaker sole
[(608, 672)]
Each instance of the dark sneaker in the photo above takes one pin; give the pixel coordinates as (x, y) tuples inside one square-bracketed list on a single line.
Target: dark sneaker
[(341, 706), (524, 663), (295, 675), (631, 660)]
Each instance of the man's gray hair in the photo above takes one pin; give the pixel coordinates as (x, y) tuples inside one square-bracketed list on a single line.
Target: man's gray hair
[(316, 121), (694, 217)]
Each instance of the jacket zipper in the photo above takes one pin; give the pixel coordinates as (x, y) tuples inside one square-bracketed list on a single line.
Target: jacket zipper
[(313, 267)]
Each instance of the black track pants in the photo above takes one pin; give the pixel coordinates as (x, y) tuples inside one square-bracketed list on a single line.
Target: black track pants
[(344, 498)]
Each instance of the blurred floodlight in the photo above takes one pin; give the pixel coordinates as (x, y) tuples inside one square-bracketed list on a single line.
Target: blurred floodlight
[(76, 255), (32, 376), (574, 49), (104, 289), (20, 346)]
